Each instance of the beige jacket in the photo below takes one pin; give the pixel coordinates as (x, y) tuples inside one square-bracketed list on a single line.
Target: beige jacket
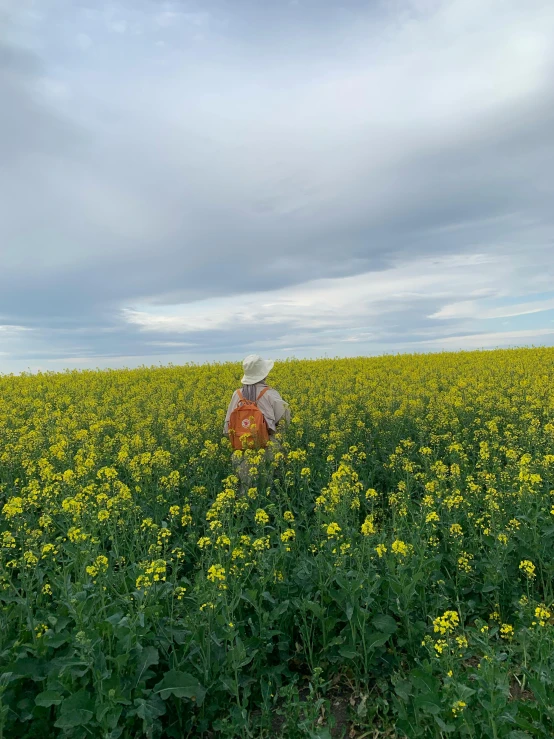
[(271, 405)]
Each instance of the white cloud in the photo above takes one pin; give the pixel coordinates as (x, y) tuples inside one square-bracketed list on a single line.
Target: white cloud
[(473, 309), (8, 329), (353, 308), (490, 340)]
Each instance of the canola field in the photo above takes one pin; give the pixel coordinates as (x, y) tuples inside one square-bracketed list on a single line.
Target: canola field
[(385, 570)]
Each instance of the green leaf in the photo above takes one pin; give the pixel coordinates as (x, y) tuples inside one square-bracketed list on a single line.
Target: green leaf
[(115, 618), (181, 685), (429, 702), (348, 652), (314, 607), (424, 682), (447, 728), (109, 715), (27, 667), (77, 710), (179, 636), (488, 588), (322, 733), (149, 656), (150, 709), (539, 691), (384, 622), (48, 698), (403, 689), (376, 639), (463, 692), (281, 608), (56, 640)]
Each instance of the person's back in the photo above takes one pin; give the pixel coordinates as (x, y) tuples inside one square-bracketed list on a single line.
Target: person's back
[(256, 390)]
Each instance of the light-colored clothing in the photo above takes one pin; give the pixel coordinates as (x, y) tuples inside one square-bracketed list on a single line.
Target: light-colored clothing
[(271, 405)]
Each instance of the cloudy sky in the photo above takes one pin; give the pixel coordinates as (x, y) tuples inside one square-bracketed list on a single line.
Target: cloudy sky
[(200, 179)]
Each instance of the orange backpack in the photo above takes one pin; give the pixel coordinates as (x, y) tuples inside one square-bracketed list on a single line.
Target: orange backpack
[(247, 425)]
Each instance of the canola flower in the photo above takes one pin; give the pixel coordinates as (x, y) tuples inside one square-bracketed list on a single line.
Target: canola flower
[(261, 517), (458, 707), (413, 482), (446, 623), (528, 568), (400, 548), (542, 616)]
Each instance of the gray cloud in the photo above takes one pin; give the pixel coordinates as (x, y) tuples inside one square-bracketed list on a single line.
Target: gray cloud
[(139, 174)]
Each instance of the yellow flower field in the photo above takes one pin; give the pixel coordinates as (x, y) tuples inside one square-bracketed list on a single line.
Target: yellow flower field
[(396, 545)]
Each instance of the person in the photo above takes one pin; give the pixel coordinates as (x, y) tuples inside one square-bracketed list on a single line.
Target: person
[(274, 409)]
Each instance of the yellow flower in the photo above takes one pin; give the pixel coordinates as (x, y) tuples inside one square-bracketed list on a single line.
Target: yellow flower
[(368, 526), (48, 550), (186, 518), (13, 507), (333, 529), (542, 615), (446, 623), (288, 535), (30, 559), (261, 517), (75, 535), (507, 632), (528, 568), (464, 562), (216, 573), (8, 540), (40, 630), (462, 642), (288, 516), (458, 707), (381, 550), (400, 548), (260, 544)]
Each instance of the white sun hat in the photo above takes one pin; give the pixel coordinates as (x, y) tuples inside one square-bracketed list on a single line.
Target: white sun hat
[(256, 369)]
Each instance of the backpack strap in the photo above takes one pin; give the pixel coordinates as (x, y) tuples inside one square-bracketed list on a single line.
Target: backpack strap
[(264, 391), (242, 399)]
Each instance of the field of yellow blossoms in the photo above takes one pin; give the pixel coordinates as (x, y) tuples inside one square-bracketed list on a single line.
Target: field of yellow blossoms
[(396, 546)]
